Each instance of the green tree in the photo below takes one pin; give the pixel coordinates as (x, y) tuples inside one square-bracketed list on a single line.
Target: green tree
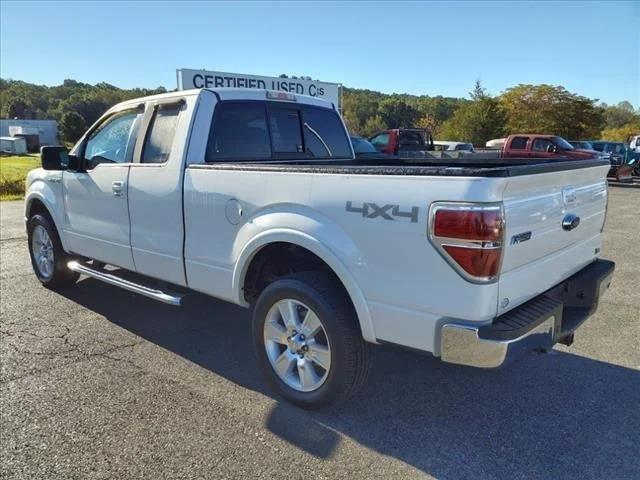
[(372, 125), (622, 133), (17, 107), (428, 122), (72, 126), (397, 113), (616, 116), (477, 121), (549, 109), (440, 108)]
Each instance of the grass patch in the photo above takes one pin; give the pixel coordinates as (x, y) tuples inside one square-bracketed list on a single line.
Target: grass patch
[(13, 174)]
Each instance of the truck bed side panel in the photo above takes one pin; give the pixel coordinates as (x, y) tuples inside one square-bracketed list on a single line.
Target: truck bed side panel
[(353, 216)]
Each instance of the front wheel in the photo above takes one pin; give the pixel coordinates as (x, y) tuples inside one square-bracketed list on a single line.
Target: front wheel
[(48, 259), (307, 340)]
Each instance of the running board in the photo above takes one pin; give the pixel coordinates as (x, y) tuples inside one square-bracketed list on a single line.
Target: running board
[(171, 299)]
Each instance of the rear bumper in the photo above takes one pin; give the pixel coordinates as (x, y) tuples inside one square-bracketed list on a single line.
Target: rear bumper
[(538, 324)]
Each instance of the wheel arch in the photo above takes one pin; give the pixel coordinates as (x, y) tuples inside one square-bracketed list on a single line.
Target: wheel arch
[(39, 203), (302, 240)]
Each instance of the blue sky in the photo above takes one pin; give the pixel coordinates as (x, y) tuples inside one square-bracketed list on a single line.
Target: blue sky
[(592, 48)]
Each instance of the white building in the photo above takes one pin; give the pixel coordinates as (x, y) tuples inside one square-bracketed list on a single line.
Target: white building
[(47, 130)]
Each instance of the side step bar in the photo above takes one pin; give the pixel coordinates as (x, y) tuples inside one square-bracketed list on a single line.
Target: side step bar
[(171, 299)]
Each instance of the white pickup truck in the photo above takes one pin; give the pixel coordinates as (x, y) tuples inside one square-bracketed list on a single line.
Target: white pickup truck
[(255, 197)]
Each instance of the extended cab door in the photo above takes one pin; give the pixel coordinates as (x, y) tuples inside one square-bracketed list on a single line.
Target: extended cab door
[(517, 147), (96, 221), (155, 189)]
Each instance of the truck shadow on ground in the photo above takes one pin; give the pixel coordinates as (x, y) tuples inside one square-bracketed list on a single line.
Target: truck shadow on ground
[(547, 416)]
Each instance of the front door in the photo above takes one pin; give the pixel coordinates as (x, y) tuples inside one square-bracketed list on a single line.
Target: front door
[(96, 220)]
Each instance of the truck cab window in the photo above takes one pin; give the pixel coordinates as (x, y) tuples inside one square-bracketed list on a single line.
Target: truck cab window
[(162, 130), (519, 143), (239, 132), (113, 141), (411, 138), (285, 131), (324, 135)]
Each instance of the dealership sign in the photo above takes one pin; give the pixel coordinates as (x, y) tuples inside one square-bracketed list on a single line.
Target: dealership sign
[(188, 79)]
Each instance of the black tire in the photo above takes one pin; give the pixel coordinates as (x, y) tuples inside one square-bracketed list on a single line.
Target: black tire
[(349, 353), (61, 276)]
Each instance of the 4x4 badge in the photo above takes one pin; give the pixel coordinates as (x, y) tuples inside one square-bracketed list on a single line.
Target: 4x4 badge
[(388, 212)]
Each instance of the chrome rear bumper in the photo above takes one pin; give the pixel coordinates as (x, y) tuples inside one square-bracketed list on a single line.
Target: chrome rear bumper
[(538, 324)]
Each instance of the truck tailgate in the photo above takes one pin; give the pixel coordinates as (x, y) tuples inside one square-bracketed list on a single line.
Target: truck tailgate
[(539, 250)]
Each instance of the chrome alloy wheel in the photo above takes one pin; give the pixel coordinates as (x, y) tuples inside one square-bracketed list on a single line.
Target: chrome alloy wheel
[(42, 248), (297, 345)]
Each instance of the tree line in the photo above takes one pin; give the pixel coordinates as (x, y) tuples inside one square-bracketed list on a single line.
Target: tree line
[(482, 117), (478, 118)]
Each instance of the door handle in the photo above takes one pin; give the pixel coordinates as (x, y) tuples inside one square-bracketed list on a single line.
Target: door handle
[(117, 188)]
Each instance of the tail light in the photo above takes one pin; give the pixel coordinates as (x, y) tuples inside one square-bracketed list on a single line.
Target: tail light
[(470, 237)]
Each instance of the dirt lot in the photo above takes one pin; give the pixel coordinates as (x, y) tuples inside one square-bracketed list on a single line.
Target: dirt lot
[(100, 383)]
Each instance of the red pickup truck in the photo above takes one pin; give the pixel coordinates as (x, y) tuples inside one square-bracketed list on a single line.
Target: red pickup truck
[(542, 146), (404, 142)]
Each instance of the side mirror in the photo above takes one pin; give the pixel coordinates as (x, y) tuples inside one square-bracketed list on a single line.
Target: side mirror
[(54, 158)]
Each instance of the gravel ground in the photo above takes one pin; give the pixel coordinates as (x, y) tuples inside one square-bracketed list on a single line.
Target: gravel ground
[(100, 383)]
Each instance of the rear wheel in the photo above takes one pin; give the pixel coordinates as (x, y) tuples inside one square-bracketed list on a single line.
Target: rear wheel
[(48, 259), (307, 340)]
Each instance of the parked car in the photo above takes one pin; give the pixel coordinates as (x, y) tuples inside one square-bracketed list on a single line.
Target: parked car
[(581, 144), (634, 143), (622, 158), (403, 142), (365, 150), (542, 146), (452, 146), (255, 197)]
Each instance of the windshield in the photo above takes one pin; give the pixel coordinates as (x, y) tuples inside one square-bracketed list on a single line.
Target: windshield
[(360, 145), (562, 144)]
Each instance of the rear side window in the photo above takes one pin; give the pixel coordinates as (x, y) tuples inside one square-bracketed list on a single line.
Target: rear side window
[(239, 132), (162, 130), (411, 138), (519, 143), (324, 135)]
